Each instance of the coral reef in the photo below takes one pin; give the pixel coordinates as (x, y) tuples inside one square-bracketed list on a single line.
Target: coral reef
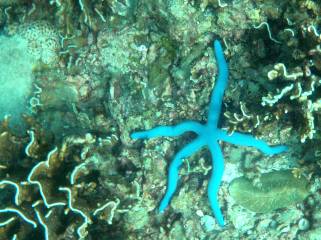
[(100, 70), (42, 39), (273, 190), (61, 196)]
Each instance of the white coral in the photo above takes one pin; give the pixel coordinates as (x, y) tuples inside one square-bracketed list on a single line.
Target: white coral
[(43, 41)]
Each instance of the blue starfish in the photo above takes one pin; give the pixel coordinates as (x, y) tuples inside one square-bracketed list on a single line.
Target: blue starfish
[(208, 135)]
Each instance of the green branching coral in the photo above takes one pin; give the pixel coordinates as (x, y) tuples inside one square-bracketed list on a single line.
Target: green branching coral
[(277, 190)]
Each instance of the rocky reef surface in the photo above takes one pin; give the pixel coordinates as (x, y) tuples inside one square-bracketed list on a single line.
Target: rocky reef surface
[(93, 72)]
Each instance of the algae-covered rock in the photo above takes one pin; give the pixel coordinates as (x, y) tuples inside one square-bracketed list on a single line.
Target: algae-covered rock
[(277, 190)]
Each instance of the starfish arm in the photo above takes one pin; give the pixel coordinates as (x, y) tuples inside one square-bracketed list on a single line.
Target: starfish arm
[(220, 85), (215, 180), (174, 166), (250, 141), (169, 131)]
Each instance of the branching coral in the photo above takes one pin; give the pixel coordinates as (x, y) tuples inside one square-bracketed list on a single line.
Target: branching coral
[(301, 87), (51, 189)]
